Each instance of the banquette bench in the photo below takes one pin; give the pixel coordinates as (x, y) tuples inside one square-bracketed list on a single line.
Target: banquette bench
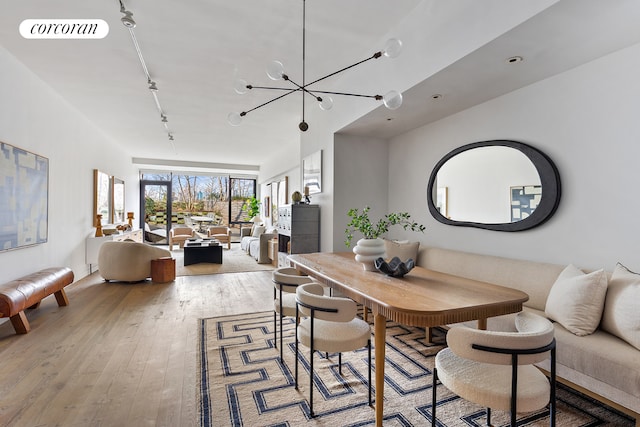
[(599, 364), (27, 292)]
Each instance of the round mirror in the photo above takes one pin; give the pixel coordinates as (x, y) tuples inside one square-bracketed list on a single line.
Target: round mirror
[(496, 185)]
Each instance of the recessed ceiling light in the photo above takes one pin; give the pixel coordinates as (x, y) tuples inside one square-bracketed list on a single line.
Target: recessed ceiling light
[(514, 59)]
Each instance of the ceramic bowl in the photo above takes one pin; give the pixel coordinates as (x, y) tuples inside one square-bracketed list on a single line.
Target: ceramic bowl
[(395, 267)]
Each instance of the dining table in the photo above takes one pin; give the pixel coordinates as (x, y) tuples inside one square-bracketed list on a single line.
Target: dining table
[(201, 220), (422, 297)]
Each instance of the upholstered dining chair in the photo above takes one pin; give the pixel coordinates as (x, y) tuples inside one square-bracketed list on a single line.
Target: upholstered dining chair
[(331, 326), (285, 283), (495, 368)]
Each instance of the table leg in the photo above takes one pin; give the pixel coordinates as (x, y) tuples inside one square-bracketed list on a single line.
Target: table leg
[(379, 326), (482, 324)]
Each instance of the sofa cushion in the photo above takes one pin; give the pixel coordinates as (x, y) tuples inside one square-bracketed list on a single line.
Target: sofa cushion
[(576, 300), (401, 249), (621, 316), (257, 230), (600, 356), (246, 242)]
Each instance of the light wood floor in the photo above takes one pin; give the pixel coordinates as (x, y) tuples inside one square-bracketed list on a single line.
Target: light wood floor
[(120, 354)]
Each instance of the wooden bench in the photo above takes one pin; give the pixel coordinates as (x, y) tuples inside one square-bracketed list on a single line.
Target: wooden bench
[(28, 291)]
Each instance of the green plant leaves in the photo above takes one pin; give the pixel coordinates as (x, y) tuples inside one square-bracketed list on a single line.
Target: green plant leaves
[(361, 223)]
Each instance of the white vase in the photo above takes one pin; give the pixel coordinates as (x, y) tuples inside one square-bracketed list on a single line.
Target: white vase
[(367, 251)]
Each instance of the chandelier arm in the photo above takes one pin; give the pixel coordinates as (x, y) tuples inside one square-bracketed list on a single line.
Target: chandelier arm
[(374, 56), (272, 88), (377, 97), (244, 113), (303, 88)]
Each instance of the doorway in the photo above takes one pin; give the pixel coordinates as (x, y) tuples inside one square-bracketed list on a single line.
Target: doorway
[(155, 204)]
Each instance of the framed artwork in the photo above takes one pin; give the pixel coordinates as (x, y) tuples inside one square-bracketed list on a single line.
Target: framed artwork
[(274, 202), (312, 173), (24, 198), (266, 206), (524, 200), (283, 191)]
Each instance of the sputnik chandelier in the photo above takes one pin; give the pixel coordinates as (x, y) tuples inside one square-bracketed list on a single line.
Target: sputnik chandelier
[(275, 70)]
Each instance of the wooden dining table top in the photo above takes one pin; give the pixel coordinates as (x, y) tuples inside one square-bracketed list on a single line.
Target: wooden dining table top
[(421, 298)]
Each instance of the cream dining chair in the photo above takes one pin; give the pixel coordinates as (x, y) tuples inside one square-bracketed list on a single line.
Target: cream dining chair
[(331, 326), (496, 369), (285, 282)]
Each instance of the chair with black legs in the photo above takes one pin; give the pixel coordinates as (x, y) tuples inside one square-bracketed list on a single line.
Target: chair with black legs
[(496, 369), (285, 282), (331, 326)]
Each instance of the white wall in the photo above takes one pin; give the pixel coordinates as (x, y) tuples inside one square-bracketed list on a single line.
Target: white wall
[(586, 120), (35, 118), (361, 171)]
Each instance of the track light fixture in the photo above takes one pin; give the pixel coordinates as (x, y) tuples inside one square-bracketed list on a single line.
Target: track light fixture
[(130, 24), (275, 71)]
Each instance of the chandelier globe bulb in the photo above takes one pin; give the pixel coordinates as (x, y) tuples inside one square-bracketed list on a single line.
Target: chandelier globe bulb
[(275, 70), (240, 86), (392, 100), (326, 103), (392, 48), (234, 119)]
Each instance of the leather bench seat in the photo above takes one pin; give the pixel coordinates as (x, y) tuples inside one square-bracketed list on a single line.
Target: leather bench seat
[(27, 292)]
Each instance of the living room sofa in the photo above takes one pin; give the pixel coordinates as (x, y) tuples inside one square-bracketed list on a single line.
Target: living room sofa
[(255, 242), (128, 261), (599, 364)]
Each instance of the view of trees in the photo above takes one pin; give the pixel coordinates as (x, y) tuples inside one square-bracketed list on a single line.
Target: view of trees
[(219, 195)]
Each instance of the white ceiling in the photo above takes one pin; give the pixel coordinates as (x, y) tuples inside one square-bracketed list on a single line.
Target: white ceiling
[(194, 50), (566, 35)]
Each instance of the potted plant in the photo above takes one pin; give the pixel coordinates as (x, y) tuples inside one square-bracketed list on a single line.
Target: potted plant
[(252, 207), (371, 247)]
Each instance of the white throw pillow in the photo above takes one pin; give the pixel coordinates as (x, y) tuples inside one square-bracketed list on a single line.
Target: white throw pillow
[(402, 249), (621, 316), (576, 300), (257, 230)]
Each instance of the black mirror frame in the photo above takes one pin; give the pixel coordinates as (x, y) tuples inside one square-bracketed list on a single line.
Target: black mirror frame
[(549, 179)]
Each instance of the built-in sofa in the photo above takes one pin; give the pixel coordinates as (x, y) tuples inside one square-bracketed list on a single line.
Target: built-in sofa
[(599, 364)]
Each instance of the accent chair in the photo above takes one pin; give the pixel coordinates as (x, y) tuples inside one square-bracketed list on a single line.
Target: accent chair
[(179, 235), (221, 233), (496, 369)]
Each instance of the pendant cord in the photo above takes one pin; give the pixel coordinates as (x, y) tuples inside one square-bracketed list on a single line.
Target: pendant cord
[(304, 48)]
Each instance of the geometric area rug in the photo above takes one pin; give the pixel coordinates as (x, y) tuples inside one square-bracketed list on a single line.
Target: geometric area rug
[(243, 383)]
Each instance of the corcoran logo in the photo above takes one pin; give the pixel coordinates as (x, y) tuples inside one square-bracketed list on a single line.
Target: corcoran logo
[(64, 29)]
